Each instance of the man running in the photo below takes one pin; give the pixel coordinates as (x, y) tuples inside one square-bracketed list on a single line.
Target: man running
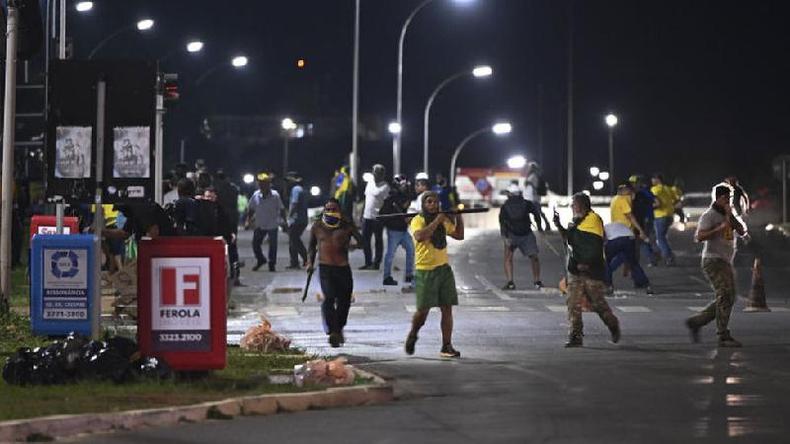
[(620, 245), (715, 230), (516, 230), (332, 236), (664, 213), (435, 282), (586, 269)]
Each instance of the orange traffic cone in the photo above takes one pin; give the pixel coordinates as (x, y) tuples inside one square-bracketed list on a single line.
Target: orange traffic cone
[(756, 301)]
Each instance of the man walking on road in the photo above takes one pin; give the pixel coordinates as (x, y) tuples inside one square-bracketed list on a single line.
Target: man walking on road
[(535, 187), (664, 213), (586, 269), (297, 220), (332, 236), (620, 246), (516, 230), (716, 229), (435, 282), (375, 192), (397, 230), (267, 210)]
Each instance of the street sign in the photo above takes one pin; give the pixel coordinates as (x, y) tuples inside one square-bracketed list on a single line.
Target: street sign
[(40, 224), (62, 284), (181, 301)]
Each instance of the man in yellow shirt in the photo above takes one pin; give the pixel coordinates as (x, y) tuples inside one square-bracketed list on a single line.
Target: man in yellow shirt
[(620, 247), (434, 279), (664, 210)]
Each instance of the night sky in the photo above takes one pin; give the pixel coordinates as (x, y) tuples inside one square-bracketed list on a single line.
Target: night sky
[(700, 87)]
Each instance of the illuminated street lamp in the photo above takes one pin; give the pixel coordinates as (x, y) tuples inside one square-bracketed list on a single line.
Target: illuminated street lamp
[(239, 61), (84, 6), (598, 185), (594, 170), (142, 25), (315, 191), (248, 178), (194, 46), (517, 162), (604, 175), (499, 129), (611, 122), (478, 72)]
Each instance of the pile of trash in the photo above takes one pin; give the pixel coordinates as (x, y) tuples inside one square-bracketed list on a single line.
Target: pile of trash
[(322, 372), (78, 358), (263, 339)]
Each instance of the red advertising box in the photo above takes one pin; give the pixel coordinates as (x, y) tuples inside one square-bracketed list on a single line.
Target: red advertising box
[(181, 301), (48, 225)]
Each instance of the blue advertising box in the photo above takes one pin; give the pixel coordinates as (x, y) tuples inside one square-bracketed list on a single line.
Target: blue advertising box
[(62, 287)]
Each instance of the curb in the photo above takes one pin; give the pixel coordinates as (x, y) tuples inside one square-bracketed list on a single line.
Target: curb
[(66, 425)]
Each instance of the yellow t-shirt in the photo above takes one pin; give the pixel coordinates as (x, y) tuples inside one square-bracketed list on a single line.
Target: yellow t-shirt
[(620, 207), (426, 256), (666, 198)]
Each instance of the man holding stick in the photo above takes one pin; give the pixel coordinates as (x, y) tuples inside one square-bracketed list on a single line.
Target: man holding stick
[(434, 279), (332, 235)]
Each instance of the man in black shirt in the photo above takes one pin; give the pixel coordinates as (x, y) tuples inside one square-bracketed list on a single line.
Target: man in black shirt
[(516, 230), (398, 201)]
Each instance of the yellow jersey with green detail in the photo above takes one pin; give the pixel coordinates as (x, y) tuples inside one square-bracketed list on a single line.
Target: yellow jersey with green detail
[(585, 244)]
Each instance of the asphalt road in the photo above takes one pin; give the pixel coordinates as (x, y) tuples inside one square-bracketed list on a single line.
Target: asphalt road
[(515, 381)]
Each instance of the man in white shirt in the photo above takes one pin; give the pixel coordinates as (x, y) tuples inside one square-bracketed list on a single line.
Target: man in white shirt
[(375, 192), (268, 212)]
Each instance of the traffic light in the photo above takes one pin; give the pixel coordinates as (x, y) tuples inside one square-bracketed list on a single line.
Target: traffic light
[(170, 87)]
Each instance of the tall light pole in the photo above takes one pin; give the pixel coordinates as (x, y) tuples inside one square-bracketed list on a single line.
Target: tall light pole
[(481, 71), (354, 163), (394, 128), (611, 122), (499, 129), (142, 25), (287, 125), (401, 42)]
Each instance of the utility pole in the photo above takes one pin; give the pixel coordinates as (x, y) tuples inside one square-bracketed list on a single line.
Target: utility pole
[(158, 137), (354, 163), (9, 124), (570, 97)]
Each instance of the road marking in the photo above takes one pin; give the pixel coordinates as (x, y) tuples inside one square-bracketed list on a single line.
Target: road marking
[(557, 308), (280, 311), (696, 308), (699, 279), (485, 308), (780, 309), (633, 309), (357, 310), (492, 288)]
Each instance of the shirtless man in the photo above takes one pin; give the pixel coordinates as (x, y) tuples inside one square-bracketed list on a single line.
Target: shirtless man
[(332, 235)]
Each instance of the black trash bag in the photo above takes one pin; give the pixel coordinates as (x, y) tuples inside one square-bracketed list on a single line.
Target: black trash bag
[(66, 354), (18, 368), (102, 362), (46, 368), (152, 368), (123, 346)]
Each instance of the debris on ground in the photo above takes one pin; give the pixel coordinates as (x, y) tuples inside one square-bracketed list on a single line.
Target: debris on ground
[(263, 339), (323, 372)]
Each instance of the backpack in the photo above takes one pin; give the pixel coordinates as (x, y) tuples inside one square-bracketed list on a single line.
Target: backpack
[(517, 217)]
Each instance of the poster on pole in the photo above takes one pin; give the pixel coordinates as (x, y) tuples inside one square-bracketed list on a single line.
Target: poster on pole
[(132, 152), (73, 152)]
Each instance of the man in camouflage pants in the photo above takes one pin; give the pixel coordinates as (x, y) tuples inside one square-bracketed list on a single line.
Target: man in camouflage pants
[(716, 230), (586, 269)]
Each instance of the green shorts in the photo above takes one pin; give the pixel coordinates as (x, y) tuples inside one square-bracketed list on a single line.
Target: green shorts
[(435, 287)]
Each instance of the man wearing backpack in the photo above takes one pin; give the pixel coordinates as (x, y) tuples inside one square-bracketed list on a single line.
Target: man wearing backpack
[(514, 225)]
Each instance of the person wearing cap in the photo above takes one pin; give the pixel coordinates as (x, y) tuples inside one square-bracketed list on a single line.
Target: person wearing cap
[(717, 229), (297, 220), (664, 213), (586, 269), (397, 230), (375, 192), (434, 279), (516, 230), (620, 246), (421, 185), (267, 211)]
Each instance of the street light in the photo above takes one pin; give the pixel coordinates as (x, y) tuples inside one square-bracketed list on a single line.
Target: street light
[(499, 129), (84, 6), (248, 178), (399, 105), (611, 122), (604, 175), (516, 162), (594, 171), (478, 72), (142, 25), (598, 185), (315, 191), (194, 46), (237, 62), (288, 125), (395, 128)]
